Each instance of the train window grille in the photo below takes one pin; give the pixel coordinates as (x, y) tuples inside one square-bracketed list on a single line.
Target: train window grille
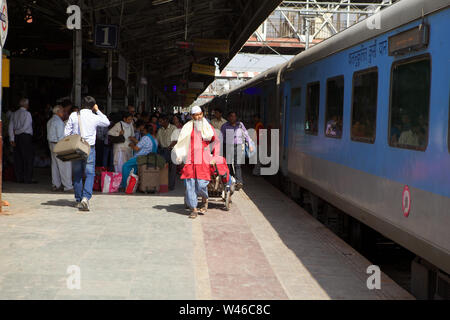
[(312, 108), (334, 107), (364, 105), (410, 103)]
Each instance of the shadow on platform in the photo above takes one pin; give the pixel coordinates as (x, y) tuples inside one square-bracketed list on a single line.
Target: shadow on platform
[(336, 267)]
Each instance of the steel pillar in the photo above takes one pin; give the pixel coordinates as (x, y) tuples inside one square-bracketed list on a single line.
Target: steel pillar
[(109, 95), (77, 65)]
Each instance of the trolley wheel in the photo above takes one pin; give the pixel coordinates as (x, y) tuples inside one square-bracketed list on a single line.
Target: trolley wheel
[(227, 200)]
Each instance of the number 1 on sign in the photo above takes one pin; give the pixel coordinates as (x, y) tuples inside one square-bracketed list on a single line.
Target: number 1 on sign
[(105, 39)]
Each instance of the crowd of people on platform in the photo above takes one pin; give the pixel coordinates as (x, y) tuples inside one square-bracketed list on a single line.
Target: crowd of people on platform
[(117, 140)]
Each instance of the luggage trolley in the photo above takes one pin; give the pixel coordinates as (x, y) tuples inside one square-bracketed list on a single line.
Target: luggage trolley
[(221, 184)]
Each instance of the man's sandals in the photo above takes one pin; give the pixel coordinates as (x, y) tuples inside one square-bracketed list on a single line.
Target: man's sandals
[(202, 210), (193, 214), (204, 207)]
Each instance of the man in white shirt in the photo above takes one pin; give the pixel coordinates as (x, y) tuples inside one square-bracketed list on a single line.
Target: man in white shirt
[(61, 170), (166, 141), (21, 137), (91, 118), (218, 121)]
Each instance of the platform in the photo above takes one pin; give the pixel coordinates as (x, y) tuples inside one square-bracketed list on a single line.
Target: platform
[(146, 247)]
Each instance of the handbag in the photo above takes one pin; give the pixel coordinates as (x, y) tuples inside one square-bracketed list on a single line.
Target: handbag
[(116, 139), (73, 147), (248, 154)]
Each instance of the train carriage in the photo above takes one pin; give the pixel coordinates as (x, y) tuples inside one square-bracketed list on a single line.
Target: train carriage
[(364, 123)]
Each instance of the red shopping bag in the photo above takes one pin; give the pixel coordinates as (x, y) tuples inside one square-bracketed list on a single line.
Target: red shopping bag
[(132, 182), (111, 181), (98, 178)]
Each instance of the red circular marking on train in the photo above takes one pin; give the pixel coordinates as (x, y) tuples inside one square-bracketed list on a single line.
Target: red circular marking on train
[(4, 12), (406, 201)]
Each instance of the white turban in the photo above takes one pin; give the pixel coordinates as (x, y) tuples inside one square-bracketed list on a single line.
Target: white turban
[(196, 109)]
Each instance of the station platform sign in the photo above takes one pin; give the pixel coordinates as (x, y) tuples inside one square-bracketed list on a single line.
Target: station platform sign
[(106, 36)]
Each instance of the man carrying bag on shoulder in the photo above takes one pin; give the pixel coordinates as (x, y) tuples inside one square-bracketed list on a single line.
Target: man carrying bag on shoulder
[(90, 117)]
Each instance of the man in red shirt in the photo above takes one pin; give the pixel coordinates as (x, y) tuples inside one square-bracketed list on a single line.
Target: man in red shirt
[(193, 147)]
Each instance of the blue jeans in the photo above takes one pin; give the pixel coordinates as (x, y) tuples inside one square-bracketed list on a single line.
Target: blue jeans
[(195, 188), (86, 167)]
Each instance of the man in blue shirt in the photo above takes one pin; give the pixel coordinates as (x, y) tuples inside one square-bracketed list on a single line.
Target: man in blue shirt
[(21, 138), (91, 118), (61, 171)]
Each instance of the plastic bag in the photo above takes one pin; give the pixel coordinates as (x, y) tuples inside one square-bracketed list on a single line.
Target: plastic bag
[(249, 154), (111, 181), (98, 178), (132, 182)]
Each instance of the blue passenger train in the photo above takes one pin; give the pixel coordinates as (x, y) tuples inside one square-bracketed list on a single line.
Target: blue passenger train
[(364, 123)]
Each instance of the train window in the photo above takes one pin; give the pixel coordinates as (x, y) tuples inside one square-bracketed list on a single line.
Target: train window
[(335, 107), (364, 106), (312, 108), (296, 97), (410, 99)]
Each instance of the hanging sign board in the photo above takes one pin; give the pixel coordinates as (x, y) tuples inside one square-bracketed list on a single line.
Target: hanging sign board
[(203, 69), (191, 91), (195, 85), (410, 40), (4, 21), (106, 36), (212, 45), (191, 95), (5, 72)]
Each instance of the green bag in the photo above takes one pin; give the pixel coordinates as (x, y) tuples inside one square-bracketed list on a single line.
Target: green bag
[(151, 160)]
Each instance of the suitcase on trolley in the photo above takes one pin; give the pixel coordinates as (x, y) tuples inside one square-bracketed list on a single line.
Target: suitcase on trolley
[(149, 175)]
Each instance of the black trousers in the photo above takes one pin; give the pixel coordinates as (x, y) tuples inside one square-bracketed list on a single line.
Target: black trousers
[(99, 149), (23, 157), (235, 157)]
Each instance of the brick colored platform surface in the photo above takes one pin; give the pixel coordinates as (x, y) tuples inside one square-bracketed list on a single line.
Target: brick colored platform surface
[(145, 247)]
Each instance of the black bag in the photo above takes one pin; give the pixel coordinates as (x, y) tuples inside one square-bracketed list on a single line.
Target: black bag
[(116, 139)]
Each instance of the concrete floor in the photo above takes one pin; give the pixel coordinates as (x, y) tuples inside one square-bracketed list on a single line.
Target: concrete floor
[(145, 247)]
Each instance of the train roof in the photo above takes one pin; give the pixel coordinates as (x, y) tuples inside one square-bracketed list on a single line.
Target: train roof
[(400, 13), (264, 76)]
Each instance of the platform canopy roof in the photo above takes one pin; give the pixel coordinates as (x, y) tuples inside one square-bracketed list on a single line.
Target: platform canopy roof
[(157, 36)]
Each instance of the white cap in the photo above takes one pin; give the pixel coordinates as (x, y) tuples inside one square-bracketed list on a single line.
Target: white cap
[(196, 109)]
